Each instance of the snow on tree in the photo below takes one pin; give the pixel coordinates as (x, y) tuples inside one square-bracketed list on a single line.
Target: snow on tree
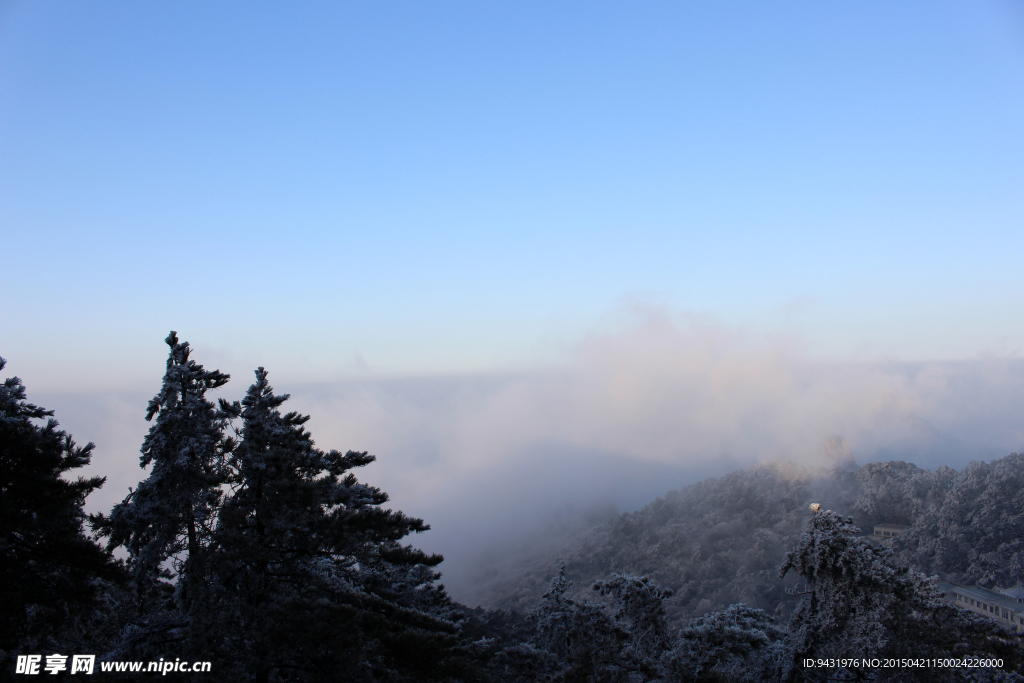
[(311, 578), (586, 641), (635, 643), (170, 516), (736, 644), (974, 536), (899, 492), (641, 613), (856, 601), (51, 571)]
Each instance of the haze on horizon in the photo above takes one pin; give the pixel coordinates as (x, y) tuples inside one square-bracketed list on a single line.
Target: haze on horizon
[(485, 241)]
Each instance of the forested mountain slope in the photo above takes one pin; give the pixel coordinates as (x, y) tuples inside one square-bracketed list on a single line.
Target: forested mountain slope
[(976, 534), (721, 541), (714, 543)]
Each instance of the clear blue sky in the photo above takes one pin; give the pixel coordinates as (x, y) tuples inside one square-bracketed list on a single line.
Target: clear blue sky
[(438, 187)]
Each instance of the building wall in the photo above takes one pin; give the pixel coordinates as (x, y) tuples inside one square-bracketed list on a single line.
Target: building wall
[(884, 532), (990, 604)]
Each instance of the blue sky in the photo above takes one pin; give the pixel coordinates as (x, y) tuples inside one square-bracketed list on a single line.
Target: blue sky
[(424, 188), (619, 245)]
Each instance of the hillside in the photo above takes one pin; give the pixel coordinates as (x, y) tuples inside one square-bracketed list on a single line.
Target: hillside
[(976, 533), (715, 542), (721, 540)]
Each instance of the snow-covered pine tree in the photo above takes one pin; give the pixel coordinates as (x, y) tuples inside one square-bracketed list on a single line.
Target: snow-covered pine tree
[(587, 642), (641, 611), (171, 515), (737, 644), (576, 640), (858, 602), (51, 572), (312, 580)]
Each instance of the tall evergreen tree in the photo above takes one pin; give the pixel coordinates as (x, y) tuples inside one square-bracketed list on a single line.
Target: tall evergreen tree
[(586, 641), (312, 579), (171, 515), (51, 572)]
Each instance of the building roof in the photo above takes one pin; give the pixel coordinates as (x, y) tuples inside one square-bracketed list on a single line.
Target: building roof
[(1017, 592), (987, 596), (893, 527)]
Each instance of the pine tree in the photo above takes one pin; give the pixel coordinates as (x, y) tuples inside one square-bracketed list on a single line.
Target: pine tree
[(641, 612), (585, 639), (858, 602), (311, 576), (739, 643), (170, 516), (51, 572)]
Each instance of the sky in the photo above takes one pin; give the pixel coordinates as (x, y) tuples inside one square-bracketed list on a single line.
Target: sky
[(481, 239)]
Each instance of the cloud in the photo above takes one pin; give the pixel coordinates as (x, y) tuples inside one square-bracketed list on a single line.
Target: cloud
[(657, 403), (676, 391)]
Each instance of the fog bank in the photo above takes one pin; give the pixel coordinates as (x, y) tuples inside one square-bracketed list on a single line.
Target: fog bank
[(503, 463)]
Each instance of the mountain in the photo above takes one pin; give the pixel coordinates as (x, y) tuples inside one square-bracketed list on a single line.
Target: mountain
[(721, 541), (974, 534)]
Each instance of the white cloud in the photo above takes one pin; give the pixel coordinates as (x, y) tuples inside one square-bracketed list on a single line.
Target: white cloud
[(635, 412)]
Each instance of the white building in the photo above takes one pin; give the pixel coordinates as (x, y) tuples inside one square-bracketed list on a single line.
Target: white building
[(1005, 606), (884, 532)]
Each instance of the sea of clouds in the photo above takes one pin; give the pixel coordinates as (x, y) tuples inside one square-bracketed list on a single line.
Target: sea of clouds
[(505, 463)]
